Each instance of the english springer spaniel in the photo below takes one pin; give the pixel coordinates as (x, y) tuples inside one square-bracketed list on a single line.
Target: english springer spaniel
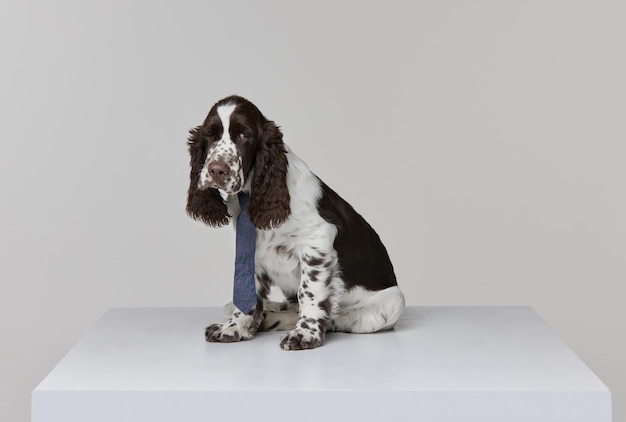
[(327, 261)]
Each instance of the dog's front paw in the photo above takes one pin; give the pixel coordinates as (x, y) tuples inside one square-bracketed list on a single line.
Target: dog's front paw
[(237, 328), (222, 333), (302, 339)]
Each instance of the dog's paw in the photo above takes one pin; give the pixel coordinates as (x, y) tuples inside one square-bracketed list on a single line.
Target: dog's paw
[(302, 339), (222, 333), (237, 328)]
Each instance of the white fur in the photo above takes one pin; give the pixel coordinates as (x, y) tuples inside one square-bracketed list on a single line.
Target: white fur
[(224, 111), (363, 311), (225, 151)]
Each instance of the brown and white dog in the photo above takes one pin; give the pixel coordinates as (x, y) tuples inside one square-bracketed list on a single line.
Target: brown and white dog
[(328, 262)]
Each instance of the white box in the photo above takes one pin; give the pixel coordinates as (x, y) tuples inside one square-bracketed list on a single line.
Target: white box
[(456, 364)]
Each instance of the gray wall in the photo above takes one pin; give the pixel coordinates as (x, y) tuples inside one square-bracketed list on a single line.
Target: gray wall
[(485, 141)]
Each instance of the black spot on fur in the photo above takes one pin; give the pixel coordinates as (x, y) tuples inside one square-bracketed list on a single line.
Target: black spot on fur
[(326, 306), (264, 278), (264, 285), (313, 261)]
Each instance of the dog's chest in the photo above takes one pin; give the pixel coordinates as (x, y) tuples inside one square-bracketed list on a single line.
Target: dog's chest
[(277, 258)]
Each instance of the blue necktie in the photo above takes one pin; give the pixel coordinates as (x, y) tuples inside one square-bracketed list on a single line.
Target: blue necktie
[(244, 293)]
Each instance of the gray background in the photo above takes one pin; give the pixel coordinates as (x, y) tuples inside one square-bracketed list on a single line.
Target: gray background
[(485, 141)]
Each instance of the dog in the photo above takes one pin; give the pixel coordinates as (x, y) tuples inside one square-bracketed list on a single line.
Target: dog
[(327, 261)]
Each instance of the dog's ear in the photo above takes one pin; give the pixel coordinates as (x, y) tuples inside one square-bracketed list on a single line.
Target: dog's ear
[(269, 196), (206, 205)]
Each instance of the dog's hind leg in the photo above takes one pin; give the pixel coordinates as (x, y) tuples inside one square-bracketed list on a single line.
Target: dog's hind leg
[(363, 311), (280, 316)]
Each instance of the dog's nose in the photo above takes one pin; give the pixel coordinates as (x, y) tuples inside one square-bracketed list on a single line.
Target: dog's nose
[(218, 170)]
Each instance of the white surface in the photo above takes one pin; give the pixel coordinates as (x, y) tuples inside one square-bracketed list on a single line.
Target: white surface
[(440, 363)]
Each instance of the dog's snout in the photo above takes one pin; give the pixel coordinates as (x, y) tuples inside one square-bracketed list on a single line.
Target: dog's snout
[(218, 170)]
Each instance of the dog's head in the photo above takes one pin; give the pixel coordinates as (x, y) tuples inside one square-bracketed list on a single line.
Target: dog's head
[(236, 143)]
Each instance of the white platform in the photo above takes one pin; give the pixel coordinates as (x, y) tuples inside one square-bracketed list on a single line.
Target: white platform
[(439, 364)]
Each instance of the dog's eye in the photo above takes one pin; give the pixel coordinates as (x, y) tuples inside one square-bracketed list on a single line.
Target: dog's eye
[(243, 136)]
